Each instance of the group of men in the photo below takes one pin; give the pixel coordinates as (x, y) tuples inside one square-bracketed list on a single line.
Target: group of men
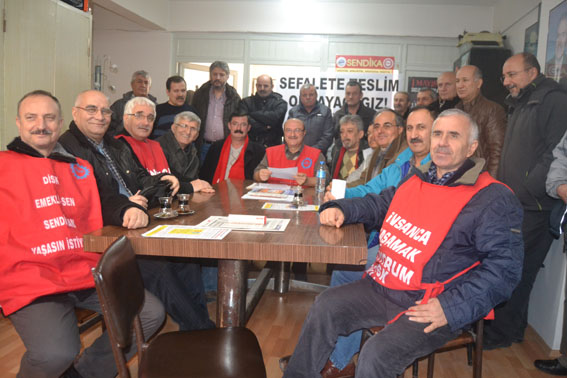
[(448, 242)]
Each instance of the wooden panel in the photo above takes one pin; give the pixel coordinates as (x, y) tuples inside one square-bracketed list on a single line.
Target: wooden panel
[(262, 51), (304, 240), (210, 49)]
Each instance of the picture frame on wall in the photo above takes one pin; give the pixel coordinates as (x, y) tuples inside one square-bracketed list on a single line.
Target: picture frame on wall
[(531, 39), (556, 49)]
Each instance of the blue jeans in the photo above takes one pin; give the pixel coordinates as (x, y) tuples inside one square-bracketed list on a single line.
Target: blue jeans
[(348, 346), (204, 149), (362, 304)]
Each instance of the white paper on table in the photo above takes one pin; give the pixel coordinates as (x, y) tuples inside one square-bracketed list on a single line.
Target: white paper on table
[(338, 188), (266, 194), (289, 207), (283, 173), (272, 224), (265, 185), (187, 232)]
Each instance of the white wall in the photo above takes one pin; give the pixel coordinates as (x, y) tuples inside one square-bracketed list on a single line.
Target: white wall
[(340, 17)]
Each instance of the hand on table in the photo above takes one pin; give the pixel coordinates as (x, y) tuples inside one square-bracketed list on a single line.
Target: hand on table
[(202, 186), (139, 199), (332, 216), (135, 218), (300, 178), (431, 312), (264, 174)]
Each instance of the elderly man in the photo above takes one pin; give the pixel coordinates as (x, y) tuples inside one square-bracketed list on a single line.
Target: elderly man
[(402, 104), (536, 124), (139, 116), (176, 89), (235, 157), (387, 132), (49, 200), (418, 134), (293, 153), (488, 115), (214, 102), (447, 89), (126, 184), (426, 97), (353, 105), (266, 112), (140, 83), (403, 287), (316, 118), (348, 157), (556, 67)]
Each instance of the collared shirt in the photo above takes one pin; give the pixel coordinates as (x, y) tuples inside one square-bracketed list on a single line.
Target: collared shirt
[(122, 188), (214, 129), (432, 176), (232, 158)]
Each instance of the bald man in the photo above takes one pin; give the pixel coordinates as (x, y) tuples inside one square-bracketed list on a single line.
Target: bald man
[(447, 90), (266, 111)]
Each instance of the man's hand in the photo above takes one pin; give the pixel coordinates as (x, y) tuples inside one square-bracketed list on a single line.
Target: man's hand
[(432, 312), (328, 196), (332, 216), (264, 174), (139, 199), (174, 183), (300, 178), (134, 218), (202, 186), (562, 192)]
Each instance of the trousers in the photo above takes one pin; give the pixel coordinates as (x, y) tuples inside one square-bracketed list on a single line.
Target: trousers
[(344, 309), (49, 331)]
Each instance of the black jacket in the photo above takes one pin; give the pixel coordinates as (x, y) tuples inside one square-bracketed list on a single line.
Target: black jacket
[(135, 176), (537, 121), (266, 118), (201, 105), (184, 164), (252, 157)]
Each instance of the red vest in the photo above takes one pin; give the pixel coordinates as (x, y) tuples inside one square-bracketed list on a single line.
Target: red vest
[(305, 163), (416, 224), (149, 153), (46, 207)]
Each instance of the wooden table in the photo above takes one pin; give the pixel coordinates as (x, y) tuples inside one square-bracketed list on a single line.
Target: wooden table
[(304, 240)]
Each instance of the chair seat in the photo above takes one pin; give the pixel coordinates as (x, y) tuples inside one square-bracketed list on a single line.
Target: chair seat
[(214, 353)]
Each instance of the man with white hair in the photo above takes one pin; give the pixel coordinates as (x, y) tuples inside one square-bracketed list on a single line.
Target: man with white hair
[(441, 265)]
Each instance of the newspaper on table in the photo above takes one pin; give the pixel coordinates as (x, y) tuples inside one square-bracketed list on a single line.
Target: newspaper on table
[(270, 192), (289, 207), (272, 224), (187, 232)]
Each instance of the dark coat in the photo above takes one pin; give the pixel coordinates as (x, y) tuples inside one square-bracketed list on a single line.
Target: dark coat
[(366, 113), (536, 123), (486, 230), (135, 176), (184, 164), (337, 152), (266, 118), (252, 157), (201, 105)]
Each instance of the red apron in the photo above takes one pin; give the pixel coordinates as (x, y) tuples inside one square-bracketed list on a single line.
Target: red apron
[(305, 163)]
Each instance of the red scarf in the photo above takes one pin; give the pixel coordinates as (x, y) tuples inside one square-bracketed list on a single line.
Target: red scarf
[(340, 162), (237, 169), (149, 153)]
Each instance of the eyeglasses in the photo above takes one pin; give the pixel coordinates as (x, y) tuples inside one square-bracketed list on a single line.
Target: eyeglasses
[(92, 110), (140, 116), (294, 131), (184, 127), (510, 75)]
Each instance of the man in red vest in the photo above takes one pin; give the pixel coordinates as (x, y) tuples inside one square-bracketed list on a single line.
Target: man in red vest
[(49, 200), (293, 153), (450, 250), (234, 157)]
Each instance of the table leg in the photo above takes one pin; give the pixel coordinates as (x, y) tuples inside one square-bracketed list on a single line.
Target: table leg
[(281, 277), (231, 293)]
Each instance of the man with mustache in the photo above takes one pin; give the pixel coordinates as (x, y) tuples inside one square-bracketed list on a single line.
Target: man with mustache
[(536, 123), (176, 89), (489, 116), (418, 134), (236, 156), (347, 157), (49, 200), (426, 97), (441, 264), (266, 112), (214, 102)]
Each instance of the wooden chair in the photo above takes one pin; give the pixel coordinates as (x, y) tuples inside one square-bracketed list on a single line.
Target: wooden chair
[(223, 352), (471, 339)]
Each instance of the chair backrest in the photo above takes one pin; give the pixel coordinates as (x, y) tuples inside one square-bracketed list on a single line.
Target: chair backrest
[(121, 291)]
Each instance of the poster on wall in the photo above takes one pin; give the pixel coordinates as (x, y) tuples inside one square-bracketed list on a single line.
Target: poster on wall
[(531, 38), (376, 75), (417, 83), (556, 52)]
